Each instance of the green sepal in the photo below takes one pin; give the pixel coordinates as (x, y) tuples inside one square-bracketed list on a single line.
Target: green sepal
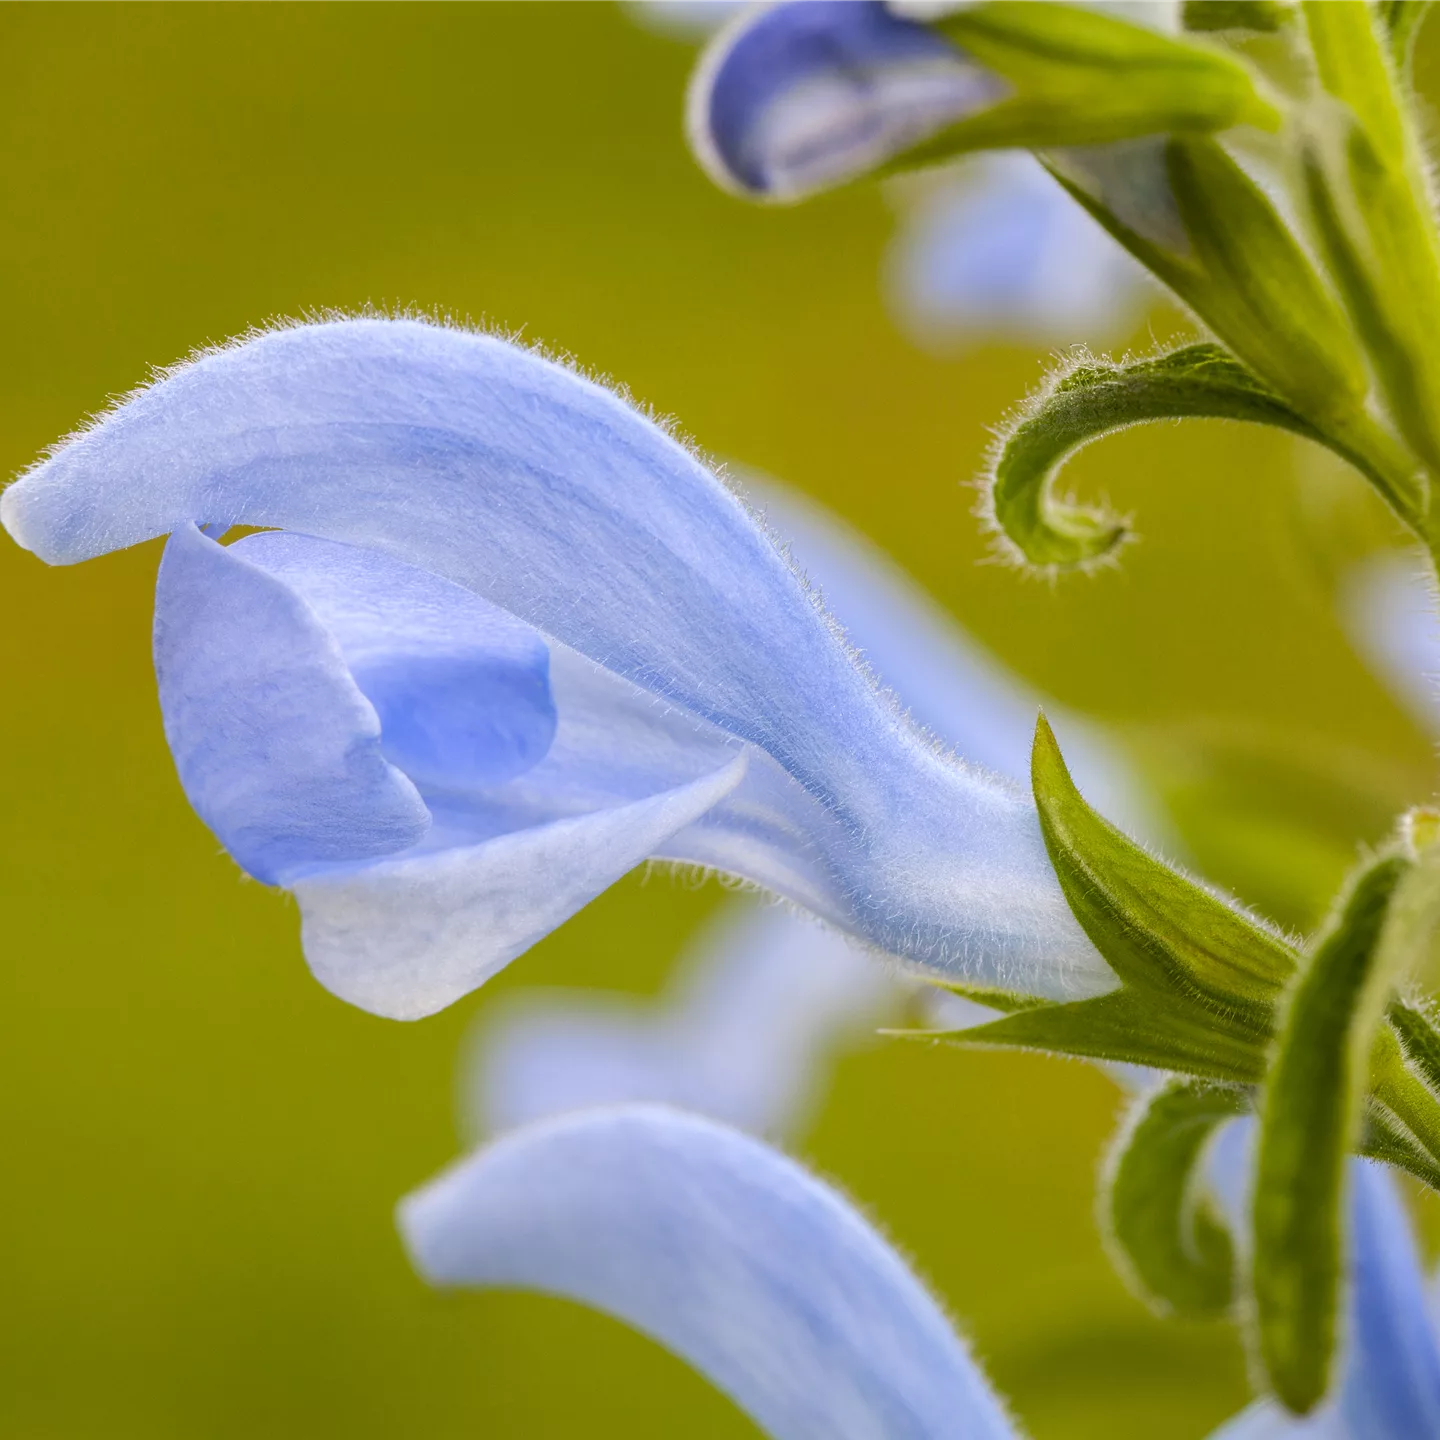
[(1158, 930), (1198, 978), (1418, 1038), (1006, 1001), (1261, 294), (1310, 1120), (1082, 77), (1164, 1233), (1265, 16), (1092, 398), (1383, 1138), (1131, 1026)]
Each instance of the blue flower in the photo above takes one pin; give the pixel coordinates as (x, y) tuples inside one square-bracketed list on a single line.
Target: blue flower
[(513, 640), (763, 999), (777, 1289), (994, 247), (796, 97)]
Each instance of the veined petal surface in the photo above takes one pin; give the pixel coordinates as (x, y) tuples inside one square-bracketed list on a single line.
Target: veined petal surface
[(762, 1277), (803, 94), (548, 496)]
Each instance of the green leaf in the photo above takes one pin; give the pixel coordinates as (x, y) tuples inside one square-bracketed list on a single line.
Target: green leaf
[(1164, 1233), (1262, 15), (1157, 929), (1090, 399), (1168, 1033), (1082, 77), (1310, 1120)]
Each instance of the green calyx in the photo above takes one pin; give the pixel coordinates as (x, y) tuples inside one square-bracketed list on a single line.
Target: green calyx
[(1082, 77)]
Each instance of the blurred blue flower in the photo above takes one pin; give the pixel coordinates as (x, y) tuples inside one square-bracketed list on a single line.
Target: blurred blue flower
[(777, 1289), (764, 998), (514, 640), (1392, 612), (995, 248), (802, 95)]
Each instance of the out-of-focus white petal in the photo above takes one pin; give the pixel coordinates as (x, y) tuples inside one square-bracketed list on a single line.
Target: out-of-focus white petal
[(1393, 615), (739, 1036), (766, 1280)]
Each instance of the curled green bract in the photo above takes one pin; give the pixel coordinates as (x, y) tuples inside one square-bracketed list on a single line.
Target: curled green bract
[(1169, 1242), (1092, 398)]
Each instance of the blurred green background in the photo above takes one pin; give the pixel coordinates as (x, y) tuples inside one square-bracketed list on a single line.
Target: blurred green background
[(203, 1147)]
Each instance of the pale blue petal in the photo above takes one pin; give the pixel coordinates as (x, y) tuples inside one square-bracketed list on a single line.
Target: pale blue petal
[(1390, 1387), (806, 94), (764, 1279), (943, 678), (1393, 616), (277, 749), (548, 496), (739, 1036), (998, 248), (408, 936), (461, 687)]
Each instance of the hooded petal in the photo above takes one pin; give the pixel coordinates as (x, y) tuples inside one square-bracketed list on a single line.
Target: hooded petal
[(406, 937), (277, 749), (548, 496), (800, 95), (763, 1278), (739, 1037), (461, 687)]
